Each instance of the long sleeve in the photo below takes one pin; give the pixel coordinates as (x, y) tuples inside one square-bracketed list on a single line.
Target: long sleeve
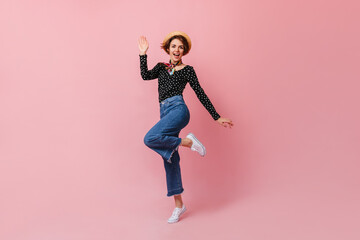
[(148, 74), (195, 85)]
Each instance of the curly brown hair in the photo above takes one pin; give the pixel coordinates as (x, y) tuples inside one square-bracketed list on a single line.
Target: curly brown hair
[(166, 45)]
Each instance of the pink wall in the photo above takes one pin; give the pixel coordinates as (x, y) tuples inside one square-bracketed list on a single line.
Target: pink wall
[(74, 110)]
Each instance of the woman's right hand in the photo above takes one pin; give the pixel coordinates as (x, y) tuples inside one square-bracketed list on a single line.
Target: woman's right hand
[(143, 45)]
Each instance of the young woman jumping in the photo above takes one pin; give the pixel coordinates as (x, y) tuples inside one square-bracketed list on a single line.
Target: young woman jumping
[(163, 138)]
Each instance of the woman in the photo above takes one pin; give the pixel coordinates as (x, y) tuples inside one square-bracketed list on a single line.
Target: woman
[(174, 114)]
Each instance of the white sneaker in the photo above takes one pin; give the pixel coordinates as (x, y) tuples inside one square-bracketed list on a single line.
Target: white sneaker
[(176, 214), (196, 146)]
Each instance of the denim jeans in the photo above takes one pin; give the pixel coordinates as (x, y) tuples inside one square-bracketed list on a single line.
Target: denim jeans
[(164, 139)]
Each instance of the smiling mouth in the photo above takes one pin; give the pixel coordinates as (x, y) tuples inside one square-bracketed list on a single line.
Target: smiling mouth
[(176, 55)]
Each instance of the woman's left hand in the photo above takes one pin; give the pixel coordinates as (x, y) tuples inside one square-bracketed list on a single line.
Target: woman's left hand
[(225, 122)]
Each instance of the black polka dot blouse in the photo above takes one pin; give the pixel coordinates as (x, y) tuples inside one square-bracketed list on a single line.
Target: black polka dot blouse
[(172, 85)]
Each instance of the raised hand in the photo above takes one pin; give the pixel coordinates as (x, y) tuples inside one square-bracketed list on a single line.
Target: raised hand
[(225, 122), (143, 45)]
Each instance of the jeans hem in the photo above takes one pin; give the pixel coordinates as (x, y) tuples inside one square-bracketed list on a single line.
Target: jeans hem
[(175, 192), (176, 148)]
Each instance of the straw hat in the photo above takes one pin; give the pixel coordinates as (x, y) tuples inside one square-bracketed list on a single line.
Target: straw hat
[(170, 35)]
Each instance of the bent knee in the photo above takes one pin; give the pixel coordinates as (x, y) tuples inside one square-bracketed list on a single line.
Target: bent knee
[(150, 139)]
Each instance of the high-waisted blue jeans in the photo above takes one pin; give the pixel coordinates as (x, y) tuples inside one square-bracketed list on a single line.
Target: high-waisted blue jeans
[(164, 139)]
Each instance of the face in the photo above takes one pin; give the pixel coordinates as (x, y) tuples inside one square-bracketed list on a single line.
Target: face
[(176, 50)]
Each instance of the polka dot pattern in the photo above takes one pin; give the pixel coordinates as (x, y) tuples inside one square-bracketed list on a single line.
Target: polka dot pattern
[(172, 85)]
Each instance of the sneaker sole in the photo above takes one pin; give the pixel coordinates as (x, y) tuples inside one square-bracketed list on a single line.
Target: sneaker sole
[(197, 140)]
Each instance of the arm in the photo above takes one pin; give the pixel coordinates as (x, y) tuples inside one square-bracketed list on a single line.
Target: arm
[(148, 74), (195, 85), (145, 73)]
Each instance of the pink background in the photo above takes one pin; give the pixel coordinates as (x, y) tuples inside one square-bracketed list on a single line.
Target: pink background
[(74, 111)]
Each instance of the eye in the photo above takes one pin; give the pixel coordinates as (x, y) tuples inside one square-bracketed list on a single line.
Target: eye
[(181, 47)]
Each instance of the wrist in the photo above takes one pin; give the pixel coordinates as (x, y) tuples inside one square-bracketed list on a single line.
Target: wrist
[(142, 53)]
